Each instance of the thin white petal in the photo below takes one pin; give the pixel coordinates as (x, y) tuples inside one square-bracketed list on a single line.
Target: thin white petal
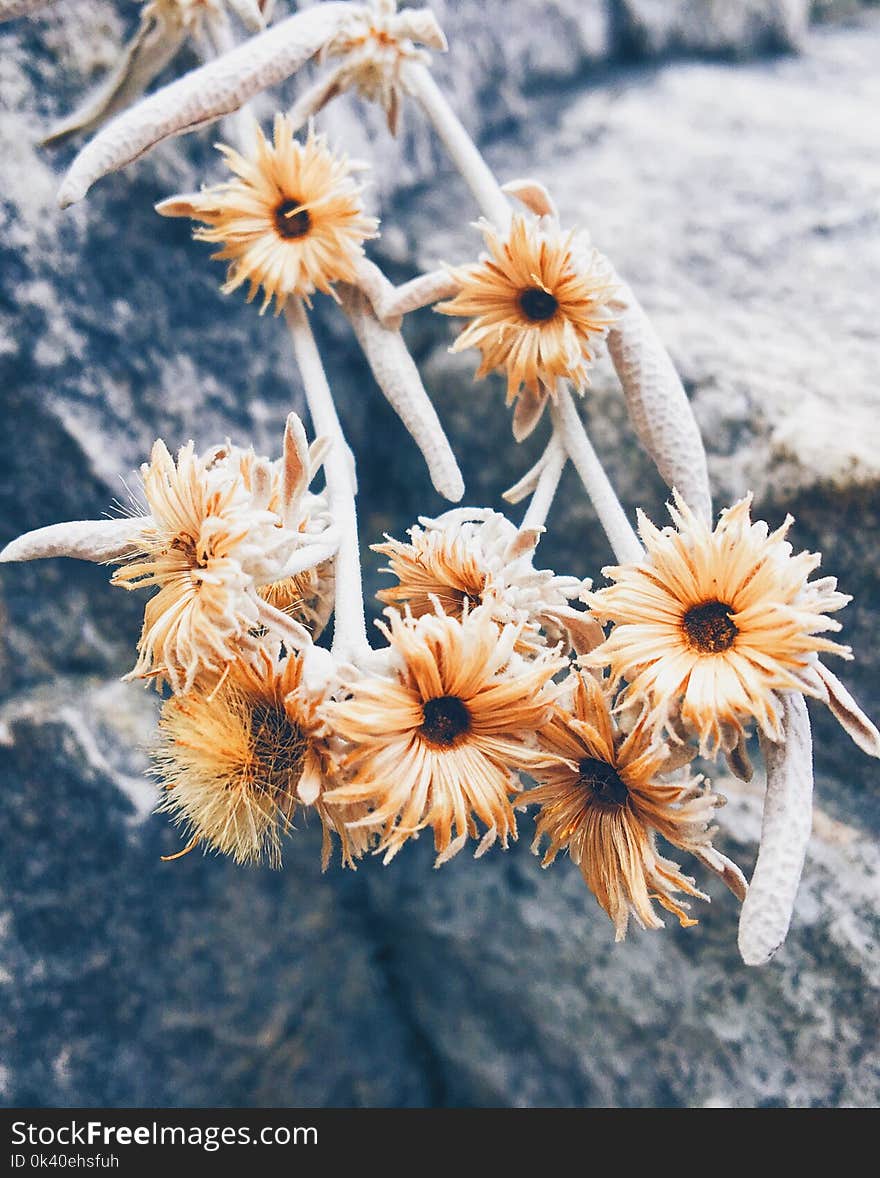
[(97, 540), (785, 832), (533, 195), (204, 94)]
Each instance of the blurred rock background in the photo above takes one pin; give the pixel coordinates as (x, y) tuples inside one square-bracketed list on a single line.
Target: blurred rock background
[(723, 152)]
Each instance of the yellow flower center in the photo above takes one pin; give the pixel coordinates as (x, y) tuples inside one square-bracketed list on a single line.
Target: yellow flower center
[(292, 220), (602, 781), (537, 304), (708, 627), (445, 720)]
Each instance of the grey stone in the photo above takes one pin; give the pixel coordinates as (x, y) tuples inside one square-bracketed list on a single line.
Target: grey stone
[(739, 201)]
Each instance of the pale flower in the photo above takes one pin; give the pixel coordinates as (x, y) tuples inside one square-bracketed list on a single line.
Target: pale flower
[(538, 305), (472, 556), (438, 738), (604, 803), (291, 222), (237, 758), (712, 624)]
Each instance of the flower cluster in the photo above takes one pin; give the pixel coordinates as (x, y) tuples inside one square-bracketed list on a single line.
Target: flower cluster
[(499, 685)]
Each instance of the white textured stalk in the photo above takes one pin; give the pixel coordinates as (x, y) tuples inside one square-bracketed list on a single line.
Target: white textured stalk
[(98, 540), (350, 632), (657, 404), (553, 464), (204, 94), (462, 150), (785, 832), (570, 428), (390, 303), (399, 379)]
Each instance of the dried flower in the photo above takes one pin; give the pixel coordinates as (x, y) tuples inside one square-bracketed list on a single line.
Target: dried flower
[(713, 623), (537, 302), (292, 222), (603, 802), (210, 544), (238, 757), (375, 41), (437, 739), (469, 557)]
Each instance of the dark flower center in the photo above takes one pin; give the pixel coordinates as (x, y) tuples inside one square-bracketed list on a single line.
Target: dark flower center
[(537, 304), (291, 221), (709, 628), (602, 781), (444, 720), (277, 750)]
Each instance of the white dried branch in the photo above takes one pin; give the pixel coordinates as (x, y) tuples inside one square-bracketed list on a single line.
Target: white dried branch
[(98, 540), (553, 460), (785, 832), (390, 303), (204, 95), (399, 379), (657, 404), (573, 435)]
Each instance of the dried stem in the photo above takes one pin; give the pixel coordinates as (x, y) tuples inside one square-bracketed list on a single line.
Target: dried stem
[(568, 425), (552, 465), (350, 633), (461, 148), (496, 207)]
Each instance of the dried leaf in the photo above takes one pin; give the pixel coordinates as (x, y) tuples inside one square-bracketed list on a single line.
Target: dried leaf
[(657, 404), (98, 540), (848, 713), (785, 832), (399, 379)]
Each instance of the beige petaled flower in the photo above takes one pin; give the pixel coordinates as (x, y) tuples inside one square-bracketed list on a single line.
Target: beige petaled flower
[(605, 805), (538, 305), (468, 557), (292, 222), (713, 623), (375, 42), (438, 740), (236, 759), (209, 544)]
